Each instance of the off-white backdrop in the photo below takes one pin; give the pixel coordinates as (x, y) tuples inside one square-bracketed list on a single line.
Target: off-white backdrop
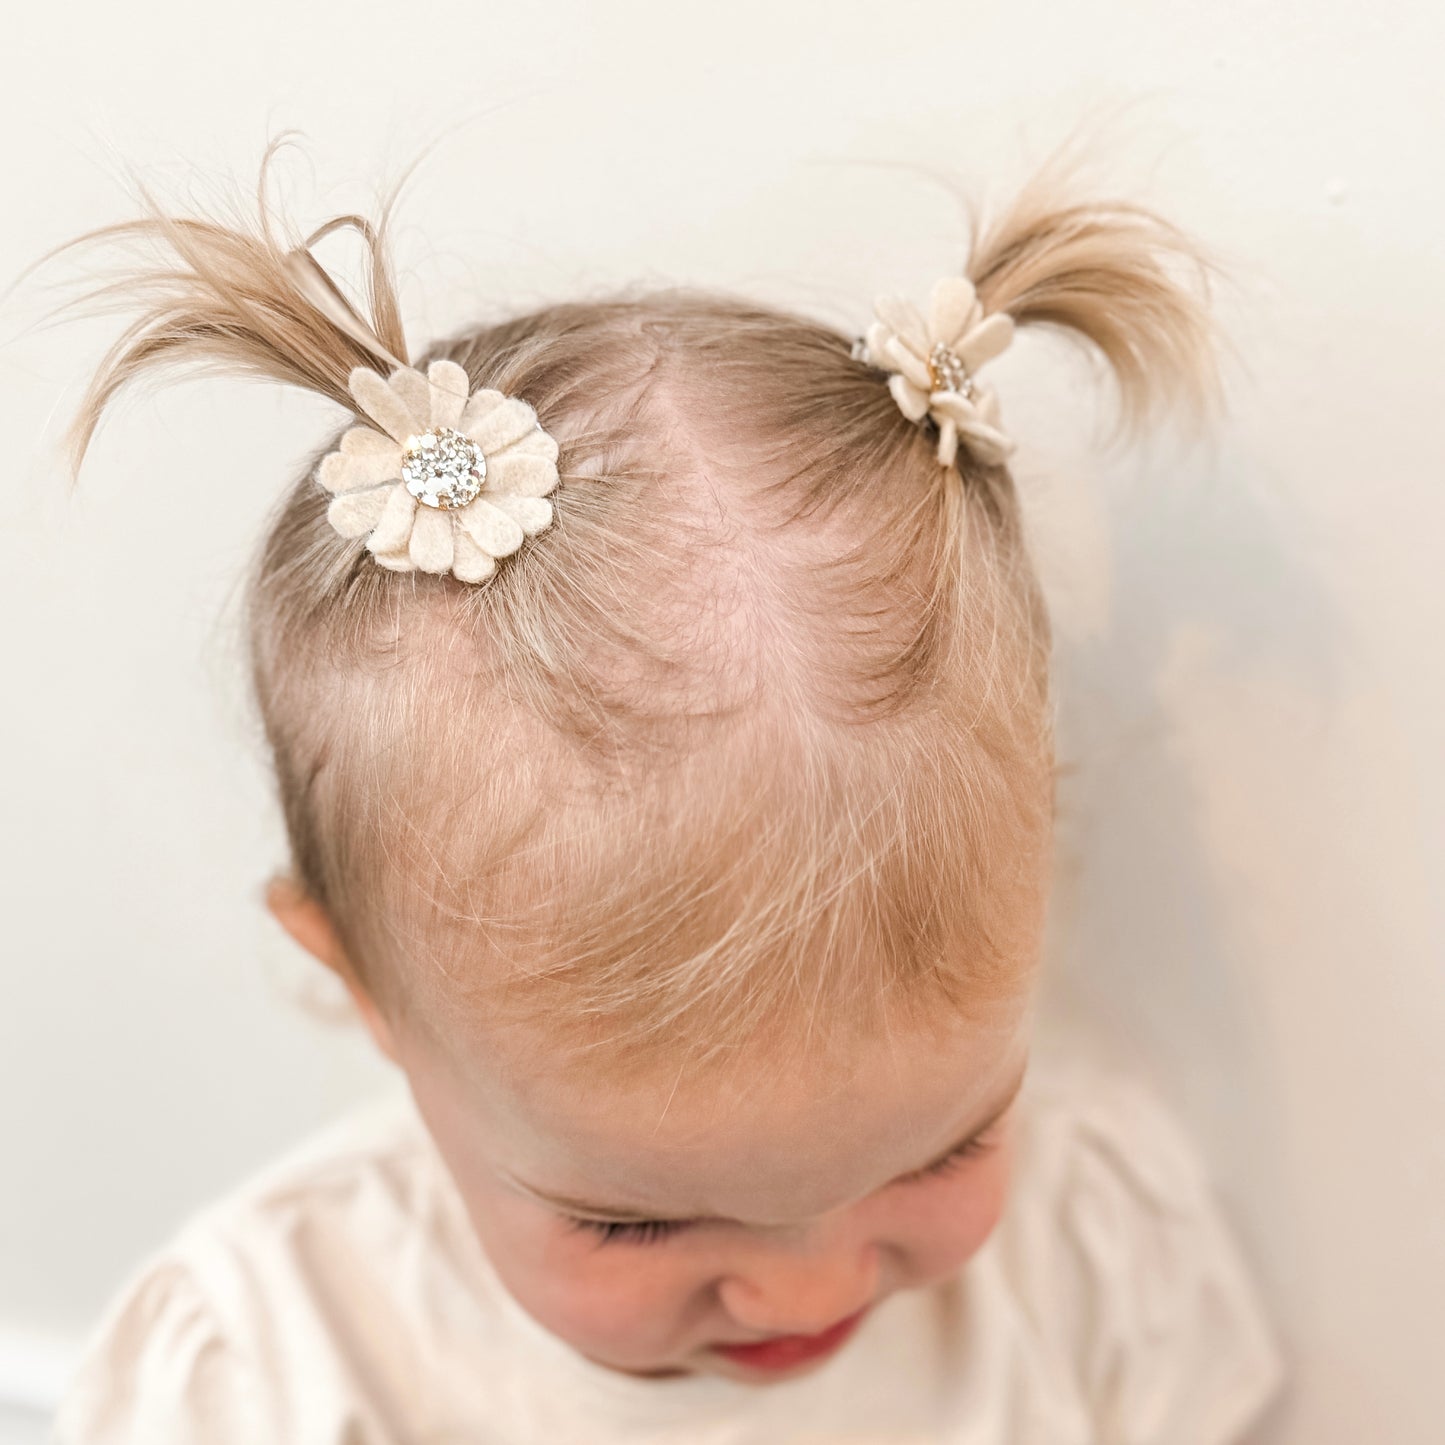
[(1249, 660)]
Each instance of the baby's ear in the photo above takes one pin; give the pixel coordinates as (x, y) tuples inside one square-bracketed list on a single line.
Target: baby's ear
[(308, 922)]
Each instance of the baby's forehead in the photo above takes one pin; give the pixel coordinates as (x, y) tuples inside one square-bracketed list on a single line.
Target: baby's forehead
[(791, 1065), (758, 1139)]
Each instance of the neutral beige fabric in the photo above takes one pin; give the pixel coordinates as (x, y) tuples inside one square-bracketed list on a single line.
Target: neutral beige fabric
[(342, 1299)]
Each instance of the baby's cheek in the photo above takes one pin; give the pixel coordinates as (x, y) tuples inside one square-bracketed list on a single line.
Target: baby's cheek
[(623, 1304), (950, 1219), (619, 1298)]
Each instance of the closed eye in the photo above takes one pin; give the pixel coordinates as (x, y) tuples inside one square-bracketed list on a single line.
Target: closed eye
[(650, 1231)]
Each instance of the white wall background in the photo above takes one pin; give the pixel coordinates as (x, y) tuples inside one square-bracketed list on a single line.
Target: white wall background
[(1250, 670)]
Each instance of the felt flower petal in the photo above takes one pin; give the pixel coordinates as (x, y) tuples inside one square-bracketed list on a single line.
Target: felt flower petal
[(952, 309), (902, 318), (431, 540), (989, 446), (393, 527), (876, 339), (990, 338), (980, 410), (976, 424), (396, 561), (535, 444), (532, 514), (947, 442), (449, 385), (382, 404), (502, 425), (353, 514), (898, 357), (517, 472), (955, 405), (492, 530), (911, 402), (366, 441), (480, 404), (471, 563), (412, 387), (346, 471)]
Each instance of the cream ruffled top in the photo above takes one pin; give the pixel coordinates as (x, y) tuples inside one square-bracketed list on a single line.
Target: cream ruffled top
[(342, 1298)]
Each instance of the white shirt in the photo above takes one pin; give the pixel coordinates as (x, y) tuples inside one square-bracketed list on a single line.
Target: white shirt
[(342, 1298)]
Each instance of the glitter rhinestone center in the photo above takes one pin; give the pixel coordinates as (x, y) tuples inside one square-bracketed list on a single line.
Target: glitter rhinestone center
[(442, 468), (947, 372)]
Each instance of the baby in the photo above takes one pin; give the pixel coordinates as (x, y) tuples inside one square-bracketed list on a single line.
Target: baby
[(658, 691)]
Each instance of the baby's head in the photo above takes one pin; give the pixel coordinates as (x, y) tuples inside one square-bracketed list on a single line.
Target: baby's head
[(692, 866)]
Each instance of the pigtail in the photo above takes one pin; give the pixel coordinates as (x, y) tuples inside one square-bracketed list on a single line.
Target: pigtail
[(1105, 272), (242, 298)]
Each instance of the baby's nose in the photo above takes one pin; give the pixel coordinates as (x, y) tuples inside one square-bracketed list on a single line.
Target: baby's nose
[(802, 1290)]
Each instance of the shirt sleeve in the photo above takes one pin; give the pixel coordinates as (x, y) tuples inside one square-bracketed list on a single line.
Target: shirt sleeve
[(161, 1370), (1166, 1334)]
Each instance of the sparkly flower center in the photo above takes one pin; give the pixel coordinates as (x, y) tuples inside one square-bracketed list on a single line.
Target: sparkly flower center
[(442, 468), (948, 373)]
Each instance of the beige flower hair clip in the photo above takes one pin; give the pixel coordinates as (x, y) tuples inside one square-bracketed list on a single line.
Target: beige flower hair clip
[(933, 364), (448, 480)]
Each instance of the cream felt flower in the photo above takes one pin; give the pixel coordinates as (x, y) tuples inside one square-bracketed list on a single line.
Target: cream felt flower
[(933, 364), (446, 481)]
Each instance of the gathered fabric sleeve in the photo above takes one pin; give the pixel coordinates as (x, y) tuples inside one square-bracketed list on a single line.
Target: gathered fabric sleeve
[(162, 1370), (1170, 1341)]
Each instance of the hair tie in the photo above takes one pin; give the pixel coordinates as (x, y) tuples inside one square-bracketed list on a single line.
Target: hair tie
[(447, 480), (933, 364)]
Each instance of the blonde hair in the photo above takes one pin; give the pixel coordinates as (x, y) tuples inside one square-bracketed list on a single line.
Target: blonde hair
[(755, 742)]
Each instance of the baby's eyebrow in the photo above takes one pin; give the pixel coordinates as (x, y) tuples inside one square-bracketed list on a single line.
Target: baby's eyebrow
[(611, 1214)]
